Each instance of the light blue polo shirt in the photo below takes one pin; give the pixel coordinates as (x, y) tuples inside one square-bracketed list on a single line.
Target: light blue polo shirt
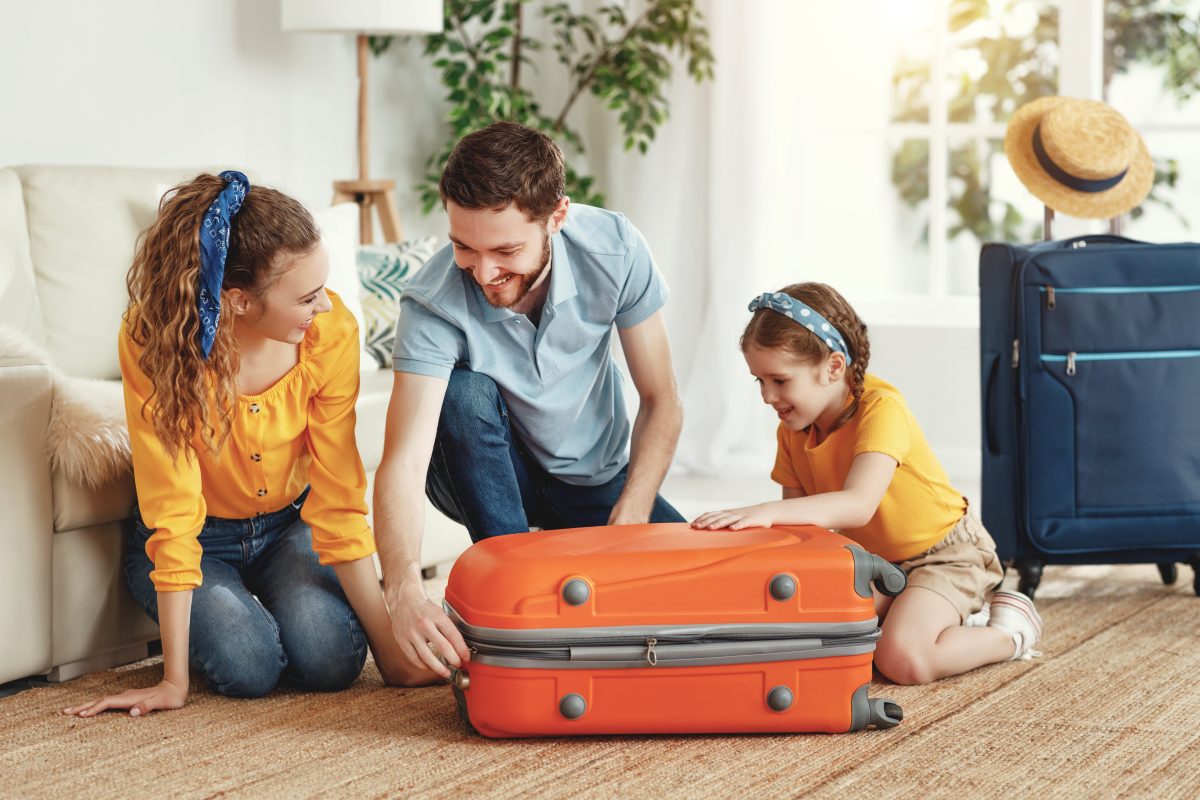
[(560, 382)]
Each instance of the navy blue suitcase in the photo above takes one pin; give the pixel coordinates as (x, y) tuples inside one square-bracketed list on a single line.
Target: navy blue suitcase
[(1090, 373)]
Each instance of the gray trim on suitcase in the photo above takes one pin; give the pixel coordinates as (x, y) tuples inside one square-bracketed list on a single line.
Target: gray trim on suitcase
[(798, 630), (666, 659), (860, 708)]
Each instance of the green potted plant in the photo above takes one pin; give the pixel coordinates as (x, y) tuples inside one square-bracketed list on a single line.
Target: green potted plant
[(618, 54)]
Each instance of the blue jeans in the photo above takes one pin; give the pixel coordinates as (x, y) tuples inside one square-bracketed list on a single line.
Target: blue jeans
[(482, 477), (267, 612)]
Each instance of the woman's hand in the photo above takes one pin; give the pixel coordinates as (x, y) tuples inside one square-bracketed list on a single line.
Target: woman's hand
[(166, 695), (757, 516)]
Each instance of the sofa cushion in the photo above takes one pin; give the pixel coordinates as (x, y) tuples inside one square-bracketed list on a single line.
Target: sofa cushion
[(18, 295), (83, 225)]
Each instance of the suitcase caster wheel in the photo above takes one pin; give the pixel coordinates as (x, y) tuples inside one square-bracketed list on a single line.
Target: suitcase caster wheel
[(885, 713), (887, 577), (1031, 575), (1169, 573), (460, 701)]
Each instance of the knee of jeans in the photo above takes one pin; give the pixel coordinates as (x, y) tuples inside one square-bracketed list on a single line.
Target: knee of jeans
[(239, 667), (329, 670), (470, 397)]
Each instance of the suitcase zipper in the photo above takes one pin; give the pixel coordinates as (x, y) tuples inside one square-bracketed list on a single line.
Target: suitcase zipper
[(651, 648), (1162, 289), (1072, 358), (1052, 292)]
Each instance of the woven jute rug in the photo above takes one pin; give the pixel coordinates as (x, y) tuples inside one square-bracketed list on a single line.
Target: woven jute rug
[(1111, 709)]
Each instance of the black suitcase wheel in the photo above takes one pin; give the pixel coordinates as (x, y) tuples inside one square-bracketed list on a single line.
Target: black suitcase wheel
[(1169, 572), (1030, 571)]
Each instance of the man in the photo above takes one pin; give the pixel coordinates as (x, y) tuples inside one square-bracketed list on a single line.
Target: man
[(507, 407)]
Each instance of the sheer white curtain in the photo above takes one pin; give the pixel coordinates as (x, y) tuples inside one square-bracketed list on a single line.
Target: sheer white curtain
[(752, 158), (717, 197)]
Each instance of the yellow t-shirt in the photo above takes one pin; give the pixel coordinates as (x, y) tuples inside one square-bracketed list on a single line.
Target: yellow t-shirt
[(920, 506), (296, 433)]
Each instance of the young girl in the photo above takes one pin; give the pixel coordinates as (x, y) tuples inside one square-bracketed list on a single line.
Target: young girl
[(852, 457), (240, 376)]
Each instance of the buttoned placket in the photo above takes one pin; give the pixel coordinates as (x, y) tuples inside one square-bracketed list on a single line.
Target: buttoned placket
[(526, 332), (254, 430), (545, 371)]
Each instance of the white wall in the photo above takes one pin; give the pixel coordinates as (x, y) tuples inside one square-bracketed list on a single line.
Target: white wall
[(151, 83)]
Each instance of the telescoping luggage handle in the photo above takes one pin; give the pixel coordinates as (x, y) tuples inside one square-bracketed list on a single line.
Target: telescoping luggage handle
[(1115, 224)]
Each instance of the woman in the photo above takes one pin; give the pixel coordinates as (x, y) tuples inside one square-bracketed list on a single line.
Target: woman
[(240, 377)]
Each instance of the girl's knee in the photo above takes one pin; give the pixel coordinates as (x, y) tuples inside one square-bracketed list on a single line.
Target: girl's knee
[(903, 665)]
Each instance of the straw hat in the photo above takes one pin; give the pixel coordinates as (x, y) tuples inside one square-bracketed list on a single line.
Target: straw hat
[(1080, 157)]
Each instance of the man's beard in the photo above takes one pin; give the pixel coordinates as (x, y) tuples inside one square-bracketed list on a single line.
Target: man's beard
[(525, 282)]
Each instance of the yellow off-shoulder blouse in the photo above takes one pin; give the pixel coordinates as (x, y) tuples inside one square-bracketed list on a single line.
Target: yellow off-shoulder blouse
[(297, 433)]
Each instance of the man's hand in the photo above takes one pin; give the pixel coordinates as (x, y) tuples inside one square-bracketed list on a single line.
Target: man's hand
[(629, 513), (426, 635), (736, 519), (166, 695), (401, 673)]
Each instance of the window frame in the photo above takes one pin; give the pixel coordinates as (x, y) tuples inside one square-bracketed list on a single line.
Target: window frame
[(1081, 74)]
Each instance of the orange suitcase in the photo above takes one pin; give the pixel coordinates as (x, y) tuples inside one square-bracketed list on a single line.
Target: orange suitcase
[(666, 629)]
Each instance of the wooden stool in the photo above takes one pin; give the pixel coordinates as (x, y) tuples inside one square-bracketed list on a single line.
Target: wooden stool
[(371, 194)]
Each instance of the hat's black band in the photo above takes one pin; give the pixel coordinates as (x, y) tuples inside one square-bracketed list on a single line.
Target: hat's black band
[(1066, 178)]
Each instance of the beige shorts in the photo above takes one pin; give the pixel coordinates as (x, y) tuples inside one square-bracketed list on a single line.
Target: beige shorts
[(963, 567)]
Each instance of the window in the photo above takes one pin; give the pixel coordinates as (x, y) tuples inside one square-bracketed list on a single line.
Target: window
[(903, 174), (1152, 76)]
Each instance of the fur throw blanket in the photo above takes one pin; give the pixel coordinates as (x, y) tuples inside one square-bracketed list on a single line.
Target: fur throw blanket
[(88, 440)]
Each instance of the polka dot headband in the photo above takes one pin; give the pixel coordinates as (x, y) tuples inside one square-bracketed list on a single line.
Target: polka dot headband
[(805, 315)]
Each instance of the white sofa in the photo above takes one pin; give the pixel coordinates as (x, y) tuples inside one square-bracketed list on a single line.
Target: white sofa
[(67, 236)]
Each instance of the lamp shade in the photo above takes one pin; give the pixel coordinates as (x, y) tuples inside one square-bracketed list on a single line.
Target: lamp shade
[(363, 16)]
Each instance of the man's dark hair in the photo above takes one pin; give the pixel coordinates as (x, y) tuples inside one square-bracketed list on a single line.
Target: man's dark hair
[(502, 164)]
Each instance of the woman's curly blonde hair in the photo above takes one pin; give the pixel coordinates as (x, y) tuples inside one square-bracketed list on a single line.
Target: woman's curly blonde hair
[(771, 330), (194, 397)]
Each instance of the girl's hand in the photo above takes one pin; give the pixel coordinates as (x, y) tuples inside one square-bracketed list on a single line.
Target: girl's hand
[(164, 696), (759, 516)]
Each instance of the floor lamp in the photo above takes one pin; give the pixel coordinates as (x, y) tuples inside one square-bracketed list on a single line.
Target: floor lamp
[(365, 17)]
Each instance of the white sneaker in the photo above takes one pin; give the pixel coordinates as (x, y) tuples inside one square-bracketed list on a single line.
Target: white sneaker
[(980, 618), (1015, 614)]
